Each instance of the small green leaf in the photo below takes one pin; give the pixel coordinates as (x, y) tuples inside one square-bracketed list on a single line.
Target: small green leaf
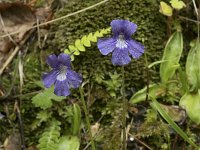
[(85, 41), (72, 57), (43, 115), (165, 9), (68, 143), (98, 34), (67, 51), (74, 50), (44, 99), (177, 4), (92, 37), (79, 46)]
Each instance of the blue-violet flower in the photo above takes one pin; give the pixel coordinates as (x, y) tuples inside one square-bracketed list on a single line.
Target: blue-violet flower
[(62, 76), (121, 43)]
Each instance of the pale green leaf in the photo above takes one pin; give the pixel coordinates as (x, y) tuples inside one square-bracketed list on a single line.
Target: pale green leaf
[(85, 41), (177, 4), (98, 34), (79, 46), (74, 50), (165, 9), (92, 37), (44, 99), (68, 143)]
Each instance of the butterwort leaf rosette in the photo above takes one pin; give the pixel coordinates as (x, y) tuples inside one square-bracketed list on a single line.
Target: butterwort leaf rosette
[(121, 45), (61, 75)]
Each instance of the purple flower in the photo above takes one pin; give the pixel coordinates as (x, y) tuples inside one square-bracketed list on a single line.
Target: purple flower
[(61, 75), (121, 43)]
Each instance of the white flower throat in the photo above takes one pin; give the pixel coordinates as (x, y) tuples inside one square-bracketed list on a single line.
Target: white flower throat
[(62, 73), (121, 42)]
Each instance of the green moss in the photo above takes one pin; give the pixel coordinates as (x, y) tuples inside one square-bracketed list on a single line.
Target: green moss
[(151, 31)]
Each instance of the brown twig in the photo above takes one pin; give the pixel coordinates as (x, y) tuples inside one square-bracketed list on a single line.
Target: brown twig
[(17, 48), (141, 142)]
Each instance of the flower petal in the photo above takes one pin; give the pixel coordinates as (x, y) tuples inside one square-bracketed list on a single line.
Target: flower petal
[(61, 88), (49, 78), (136, 49), (65, 59), (74, 79), (106, 45), (120, 57), (52, 61), (123, 27)]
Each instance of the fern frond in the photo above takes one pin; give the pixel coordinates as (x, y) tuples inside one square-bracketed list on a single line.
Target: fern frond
[(81, 44), (50, 137)]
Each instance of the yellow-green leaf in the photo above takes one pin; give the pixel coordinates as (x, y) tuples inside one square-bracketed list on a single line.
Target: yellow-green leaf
[(72, 57), (79, 46), (74, 50), (98, 34), (92, 37), (177, 4), (85, 41), (165, 9), (67, 51)]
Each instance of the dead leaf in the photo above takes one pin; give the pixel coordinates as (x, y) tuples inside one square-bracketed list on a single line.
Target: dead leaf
[(13, 142), (14, 17)]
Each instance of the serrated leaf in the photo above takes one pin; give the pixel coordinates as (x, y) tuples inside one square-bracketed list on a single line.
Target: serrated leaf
[(50, 137), (44, 99), (43, 116), (92, 37), (165, 9), (98, 34), (177, 4), (85, 41)]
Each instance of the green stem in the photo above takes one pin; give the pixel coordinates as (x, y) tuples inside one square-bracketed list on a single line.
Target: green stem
[(87, 117), (124, 110)]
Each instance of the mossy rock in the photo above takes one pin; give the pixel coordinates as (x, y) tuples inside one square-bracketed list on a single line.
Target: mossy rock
[(151, 32)]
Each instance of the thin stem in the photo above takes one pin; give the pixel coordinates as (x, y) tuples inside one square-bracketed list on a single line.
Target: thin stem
[(196, 11), (148, 78), (87, 117), (124, 110)]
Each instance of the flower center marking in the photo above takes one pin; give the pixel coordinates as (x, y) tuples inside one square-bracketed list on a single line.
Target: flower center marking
[(121, 42), (62, 73)]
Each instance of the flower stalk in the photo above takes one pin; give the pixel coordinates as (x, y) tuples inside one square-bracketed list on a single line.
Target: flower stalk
[(87, 117), (124, 110)]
